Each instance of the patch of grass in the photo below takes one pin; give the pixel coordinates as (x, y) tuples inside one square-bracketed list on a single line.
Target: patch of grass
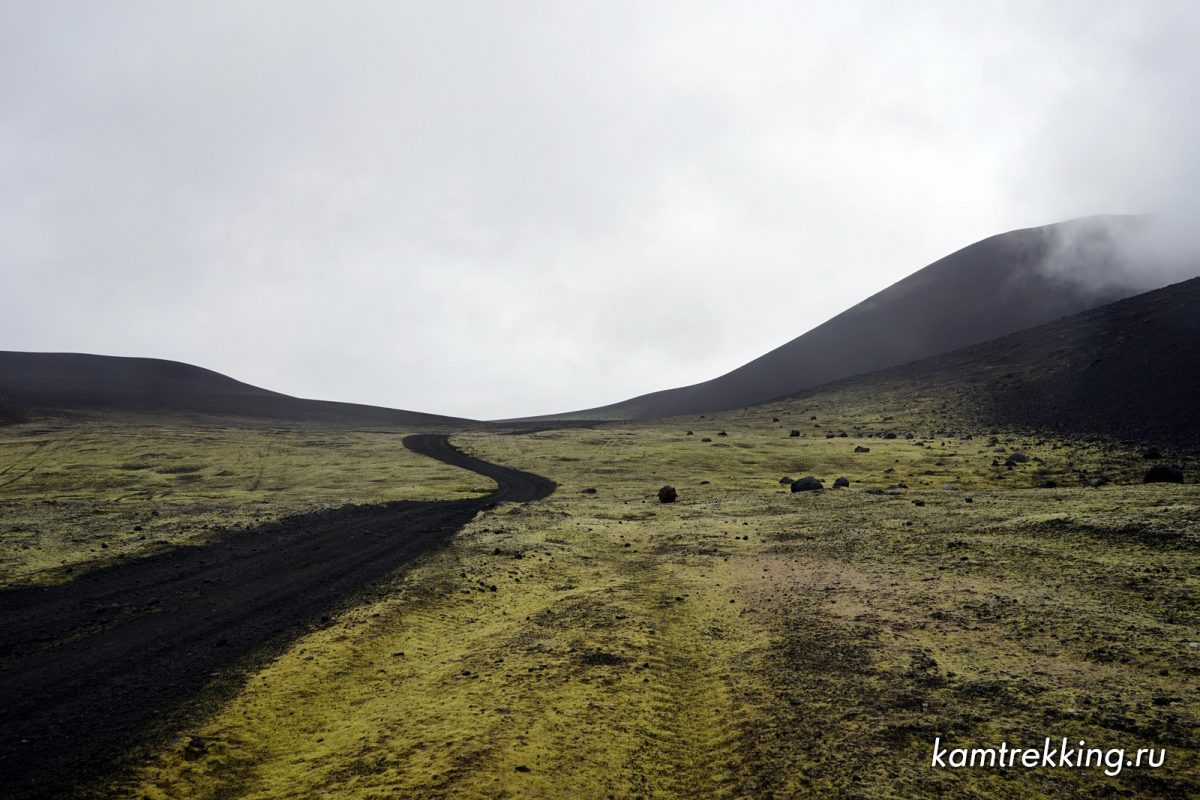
[(747, 641), (75, 496)]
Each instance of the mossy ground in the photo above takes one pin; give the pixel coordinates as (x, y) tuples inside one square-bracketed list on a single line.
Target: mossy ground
[(747, 641), (77, 495)]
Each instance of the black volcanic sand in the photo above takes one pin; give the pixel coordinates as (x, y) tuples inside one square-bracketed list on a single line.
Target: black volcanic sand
[(88, 666), (1128, 371)]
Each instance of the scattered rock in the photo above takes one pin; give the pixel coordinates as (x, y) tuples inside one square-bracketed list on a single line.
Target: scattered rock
[(1017, 457), (689, 433), (589, 490), (890, 435), (705, 439), (918, 502), (1049, 484), (1163, 473), (1153, 454), (807, 484), (196, 748), (667, 494), (841, 483), (785, 480), (794, 434), (861, 449), (722, 433)]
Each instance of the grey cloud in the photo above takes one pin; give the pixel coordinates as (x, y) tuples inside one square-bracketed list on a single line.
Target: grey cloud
[(495, 209)]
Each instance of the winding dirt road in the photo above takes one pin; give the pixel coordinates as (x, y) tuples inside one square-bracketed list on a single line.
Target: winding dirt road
[(88, 667)]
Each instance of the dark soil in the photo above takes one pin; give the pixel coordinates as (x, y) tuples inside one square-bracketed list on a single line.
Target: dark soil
[(1126, 371), (88, 667)]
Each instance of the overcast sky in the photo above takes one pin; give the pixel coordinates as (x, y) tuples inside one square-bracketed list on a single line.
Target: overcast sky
[(501, 209)]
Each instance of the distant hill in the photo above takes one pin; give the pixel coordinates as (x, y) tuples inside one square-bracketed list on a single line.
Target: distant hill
[(35, 384), (997, 286), (1129, 370)]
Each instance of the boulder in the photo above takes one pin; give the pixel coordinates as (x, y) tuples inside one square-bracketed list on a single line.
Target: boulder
[(1163, 473), (841, 483), (667, 494), (807, 484)]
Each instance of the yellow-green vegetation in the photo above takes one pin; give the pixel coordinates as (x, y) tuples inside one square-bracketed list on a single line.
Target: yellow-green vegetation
[(747, 641), (77, 495)]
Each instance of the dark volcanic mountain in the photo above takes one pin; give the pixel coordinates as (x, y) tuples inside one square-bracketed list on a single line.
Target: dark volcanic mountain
[(1128, 370), (37, 383), (997, 286)]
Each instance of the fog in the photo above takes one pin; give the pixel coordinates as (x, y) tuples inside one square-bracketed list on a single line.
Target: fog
[(510, 209)]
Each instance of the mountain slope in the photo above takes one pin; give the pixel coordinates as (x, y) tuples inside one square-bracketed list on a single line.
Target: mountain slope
[(1127, 370), (999, 285), (36, 383)]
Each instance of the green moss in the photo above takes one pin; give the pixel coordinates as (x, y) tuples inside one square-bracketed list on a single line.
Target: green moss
[(73, 497), (745, 640)]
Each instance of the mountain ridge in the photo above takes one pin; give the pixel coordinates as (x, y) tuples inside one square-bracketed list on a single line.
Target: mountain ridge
[(998, 285), (33, 383), (1127, 370)]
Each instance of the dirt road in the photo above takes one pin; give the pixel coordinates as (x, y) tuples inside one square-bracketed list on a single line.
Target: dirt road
[(88, 666)]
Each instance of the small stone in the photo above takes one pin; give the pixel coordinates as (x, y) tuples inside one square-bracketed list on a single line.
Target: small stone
[(1163, 473)]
